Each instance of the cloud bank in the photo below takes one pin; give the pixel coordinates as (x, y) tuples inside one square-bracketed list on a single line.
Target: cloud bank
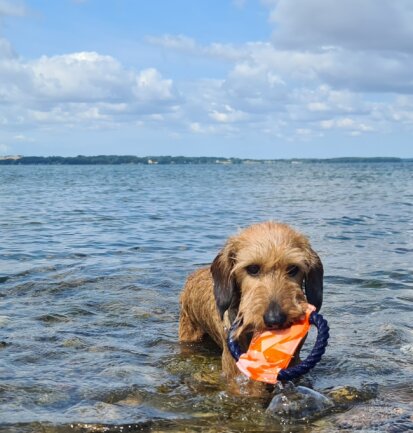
[(329, 67)]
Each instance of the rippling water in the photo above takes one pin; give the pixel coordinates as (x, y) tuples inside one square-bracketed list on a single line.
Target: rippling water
[(93, 259)]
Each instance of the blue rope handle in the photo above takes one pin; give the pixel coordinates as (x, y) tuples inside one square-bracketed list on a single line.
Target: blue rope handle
[(304, 366)]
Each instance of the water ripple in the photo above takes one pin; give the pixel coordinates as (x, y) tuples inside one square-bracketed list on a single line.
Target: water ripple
[(93, 259)]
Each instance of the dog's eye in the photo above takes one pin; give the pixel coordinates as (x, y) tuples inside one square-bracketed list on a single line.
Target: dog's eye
[(253, 269), (293, 270)]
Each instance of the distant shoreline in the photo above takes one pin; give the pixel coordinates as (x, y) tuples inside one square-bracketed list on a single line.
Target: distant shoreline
[(171, 160)]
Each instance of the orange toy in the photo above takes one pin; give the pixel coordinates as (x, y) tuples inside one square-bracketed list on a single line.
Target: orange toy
[(272, 351)]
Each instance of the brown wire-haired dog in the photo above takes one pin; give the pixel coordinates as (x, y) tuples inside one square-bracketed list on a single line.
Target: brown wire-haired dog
[(263, 278)]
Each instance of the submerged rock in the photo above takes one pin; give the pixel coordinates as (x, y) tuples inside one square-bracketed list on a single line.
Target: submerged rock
[(298, 403), (390, 410), (377, 416), (348, 395)]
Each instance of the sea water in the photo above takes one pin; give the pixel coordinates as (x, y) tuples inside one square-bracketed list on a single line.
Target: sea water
[(93, 258)]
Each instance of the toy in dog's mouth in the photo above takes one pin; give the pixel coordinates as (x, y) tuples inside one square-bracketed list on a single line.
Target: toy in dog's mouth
[(271, 351)]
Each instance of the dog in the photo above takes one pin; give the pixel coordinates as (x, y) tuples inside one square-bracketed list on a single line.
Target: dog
[(263, 278)]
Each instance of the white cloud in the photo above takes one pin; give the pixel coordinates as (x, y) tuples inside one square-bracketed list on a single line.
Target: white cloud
[(6, 50), (212, 129), (353, 45), (360, 45), (317, 106), (400, 111), (22, 138), (150, 86), (227, 115), (12, 8), (255, 88), (367, 71), (81, 87), (323, 99), (293, 88), (184, 44), (346, 123), (79, 77), (330, 67), (339, 66), (177, 42), (351, 24)]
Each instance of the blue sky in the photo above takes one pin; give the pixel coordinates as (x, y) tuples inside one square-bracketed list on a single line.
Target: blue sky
[(246, 78)]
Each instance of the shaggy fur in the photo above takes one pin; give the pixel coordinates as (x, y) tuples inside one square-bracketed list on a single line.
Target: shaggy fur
[(262, 277)]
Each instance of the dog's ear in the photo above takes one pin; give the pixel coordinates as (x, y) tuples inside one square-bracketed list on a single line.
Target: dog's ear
[(314, 281), (225, 287)]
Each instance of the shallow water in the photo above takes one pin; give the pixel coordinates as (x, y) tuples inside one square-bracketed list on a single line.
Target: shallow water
[(92, 260)]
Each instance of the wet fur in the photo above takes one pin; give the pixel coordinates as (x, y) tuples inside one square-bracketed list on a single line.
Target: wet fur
[(213, 297)]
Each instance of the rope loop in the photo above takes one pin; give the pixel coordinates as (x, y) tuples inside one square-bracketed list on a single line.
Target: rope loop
[(304, 366)]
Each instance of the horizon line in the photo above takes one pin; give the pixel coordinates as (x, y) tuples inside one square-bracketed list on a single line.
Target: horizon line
[(20, 156)]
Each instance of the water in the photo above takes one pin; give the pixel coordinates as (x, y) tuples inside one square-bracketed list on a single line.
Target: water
[(93, 259)]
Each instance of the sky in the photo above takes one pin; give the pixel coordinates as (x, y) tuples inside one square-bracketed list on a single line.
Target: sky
[(233, 78)]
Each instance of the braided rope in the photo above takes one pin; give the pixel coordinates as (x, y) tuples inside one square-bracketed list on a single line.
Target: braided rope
[(304, 366), (232, 344), (316, 353)]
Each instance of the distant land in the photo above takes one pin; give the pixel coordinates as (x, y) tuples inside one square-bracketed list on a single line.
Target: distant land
[(164, 160)]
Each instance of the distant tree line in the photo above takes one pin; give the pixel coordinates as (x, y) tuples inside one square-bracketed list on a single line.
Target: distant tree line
[(164, 160), (115, 159)]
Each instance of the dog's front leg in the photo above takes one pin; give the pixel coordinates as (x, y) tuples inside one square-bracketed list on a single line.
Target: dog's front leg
[(189, 332), (238, 384)]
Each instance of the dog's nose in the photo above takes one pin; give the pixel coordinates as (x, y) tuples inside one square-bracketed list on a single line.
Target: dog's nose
[(274, 316)]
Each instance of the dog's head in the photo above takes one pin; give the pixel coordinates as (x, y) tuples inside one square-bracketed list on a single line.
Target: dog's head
[(265, 275)]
